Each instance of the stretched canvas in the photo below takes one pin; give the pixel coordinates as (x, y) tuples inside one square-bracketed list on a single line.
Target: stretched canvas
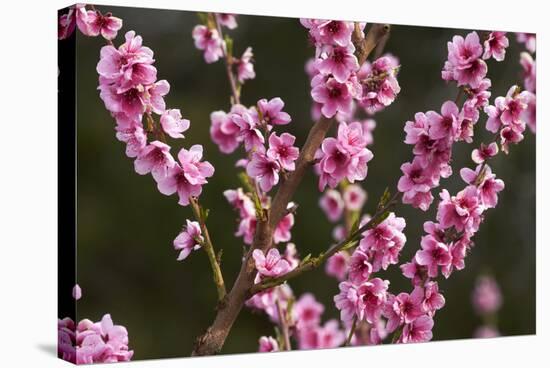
[(244, 183)]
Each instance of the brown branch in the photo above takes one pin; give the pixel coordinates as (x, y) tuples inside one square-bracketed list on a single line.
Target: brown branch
[(317, 261), (228, 64), (213, 339), (365, 45), (283, 322)]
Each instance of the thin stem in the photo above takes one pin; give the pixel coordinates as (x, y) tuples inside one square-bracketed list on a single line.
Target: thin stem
[(316, 262), (351, 332), (209, 248), (284, 326), (228, 65)]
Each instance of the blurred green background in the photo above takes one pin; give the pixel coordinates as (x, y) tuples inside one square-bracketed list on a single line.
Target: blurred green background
[(126, 264)]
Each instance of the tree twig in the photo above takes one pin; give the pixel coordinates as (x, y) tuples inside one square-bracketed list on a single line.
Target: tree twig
[(283, 322), (209, 248)]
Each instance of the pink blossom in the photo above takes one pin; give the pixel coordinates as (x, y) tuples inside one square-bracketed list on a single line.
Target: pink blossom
[(380, 85), (337, 265), (307, 311), (270, 265), (485, 332), (282, 149), (131, 132), (340, 62), (208, 40), (101, 342), (332, 95), (332, 204), (156, 159), (272, 111), (464, 64), (483, 153), (240, 201), (463, 211), (433, 300), (77, 292), (486, 297), (479, 97), (529, 71), (384, 242), (486, 181), (131, 101), (335, 32), (188, 240), (291, 255), (420, 330), (372, 297), (404, 308), (227, 20), (282, 231), (245, 66), (267, 300), (416, 184), (529, 115), (156, 92), (434, 254), (224, 132), (412, 270), (76, 16), (247, 228), (354, 197), (187, 178), (321, 337), (445, 125), (249, 128), (529, 39), (360, 268), (106, 25), (173, 124), (347, 301), (507, 111), (264, 169), (268, 344), (495, 46)]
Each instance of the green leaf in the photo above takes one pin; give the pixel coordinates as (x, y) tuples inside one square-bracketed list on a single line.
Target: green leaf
[(385, 198), (355, 220), (203, 17), (349, 245), (229, 46), (305, 259)]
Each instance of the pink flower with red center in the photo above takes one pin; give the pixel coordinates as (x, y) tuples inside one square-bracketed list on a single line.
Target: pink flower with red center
[(208, 40), (495, 46), (463, 211), (249, 128), (272, 113), (379, 83), (412, 270), (354, 197), (420, 330), (347, 301), (529, 115), (339, 61), (268, 344), (247, 228), (291, 255), (187, 177), (507, 111), (189, 239), (264, 169), (486, 297), (486, 182), (337, 265), (384, 242), (131, 102), (464, 63), (224, 132), (484, 152), (332, 204), (173, 124), (106, 25), (282, 231), (75, 17), (416, 183), (131, 132), (372, 297), (433, 300), (334, 32), (245, 66), (404, 308), (155, 158), (529, 71), (321, 337), (434, 254), (445, 125), (529, 39), (156, 92), (282, 149), (479, 97), (227, 20), (360, 268), (332, 95), (307, 311), (270, 265)]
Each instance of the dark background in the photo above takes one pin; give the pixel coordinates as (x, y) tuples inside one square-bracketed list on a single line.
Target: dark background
[(126, 264)]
